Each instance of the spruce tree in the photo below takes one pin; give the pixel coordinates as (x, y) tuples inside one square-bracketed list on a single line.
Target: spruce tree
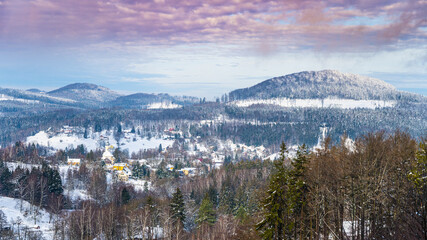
[(5, 177), (275, 205), (55, 182), (297, 194), (137, 171), (177, 206), (206, 212)]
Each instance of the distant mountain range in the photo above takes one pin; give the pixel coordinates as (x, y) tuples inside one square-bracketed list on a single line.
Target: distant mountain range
[(290, 108), (305, 87), (83, 96)]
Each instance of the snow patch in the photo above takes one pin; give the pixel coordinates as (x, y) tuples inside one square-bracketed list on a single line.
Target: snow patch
[(131, 142), (317, 103), (4, 97), (163, 105)]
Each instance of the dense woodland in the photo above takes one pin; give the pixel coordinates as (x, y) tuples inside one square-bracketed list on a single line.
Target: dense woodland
[(375, 188), (256, 125)]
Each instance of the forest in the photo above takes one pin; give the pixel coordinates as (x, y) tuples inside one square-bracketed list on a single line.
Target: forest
[(374, 188), (256, 125)]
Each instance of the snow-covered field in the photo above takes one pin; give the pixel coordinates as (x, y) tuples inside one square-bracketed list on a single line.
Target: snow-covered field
[(131, 142), (317, 103), (10, 207), (61, 141)]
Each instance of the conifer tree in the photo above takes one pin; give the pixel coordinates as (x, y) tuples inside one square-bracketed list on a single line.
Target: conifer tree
[(418, 176), (275, 205), (177, 206), (137, 171), (297, 193), (55, 182), (226, 196), (5, 178), (206, 212)]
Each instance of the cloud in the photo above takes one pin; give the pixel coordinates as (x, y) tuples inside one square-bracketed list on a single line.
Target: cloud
[(290, 24)]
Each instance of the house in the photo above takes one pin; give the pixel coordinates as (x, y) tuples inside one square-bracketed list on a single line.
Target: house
[(119, 166), (169, 167), (188, 171), (122, 171), (73, 161), (122, 176)]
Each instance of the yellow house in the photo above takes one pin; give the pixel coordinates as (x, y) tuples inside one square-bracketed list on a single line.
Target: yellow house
[(119, 166), (188, 171), (73, 161)]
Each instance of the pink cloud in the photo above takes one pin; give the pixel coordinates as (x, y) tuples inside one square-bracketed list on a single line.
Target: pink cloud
[(291, 23)]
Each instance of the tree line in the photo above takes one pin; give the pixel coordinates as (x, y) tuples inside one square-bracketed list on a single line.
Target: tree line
[(373, 189)]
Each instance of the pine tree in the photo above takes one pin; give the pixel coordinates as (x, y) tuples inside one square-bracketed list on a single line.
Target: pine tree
[(177, 206), (136, 171), (85, 133), (98, 127), (55, 182), (119, 128), (90, 156), (297, 193), (206, 212), (146, 186), (275, 205), (125, 196), (5, 177)]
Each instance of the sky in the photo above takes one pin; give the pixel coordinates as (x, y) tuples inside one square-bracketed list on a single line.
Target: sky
[(208, 48)]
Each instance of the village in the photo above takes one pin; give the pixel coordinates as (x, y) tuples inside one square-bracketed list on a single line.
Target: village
[(177, 153)]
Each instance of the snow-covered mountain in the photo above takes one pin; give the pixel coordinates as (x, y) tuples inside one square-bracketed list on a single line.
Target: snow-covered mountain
[(14, 101), (321, 85), (83, 96), (86, 93)]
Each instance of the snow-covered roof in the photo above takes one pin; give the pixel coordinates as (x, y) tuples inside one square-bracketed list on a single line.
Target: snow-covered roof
[(73, 160)]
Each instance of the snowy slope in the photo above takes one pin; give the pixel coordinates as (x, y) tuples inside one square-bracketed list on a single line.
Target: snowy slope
[(131, 142), (10, 207)]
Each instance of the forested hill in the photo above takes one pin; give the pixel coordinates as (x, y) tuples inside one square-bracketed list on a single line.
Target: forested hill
[(90, 94), (322, 84)]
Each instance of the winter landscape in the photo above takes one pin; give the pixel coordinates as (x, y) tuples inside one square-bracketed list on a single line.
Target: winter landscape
[(213, 120)]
